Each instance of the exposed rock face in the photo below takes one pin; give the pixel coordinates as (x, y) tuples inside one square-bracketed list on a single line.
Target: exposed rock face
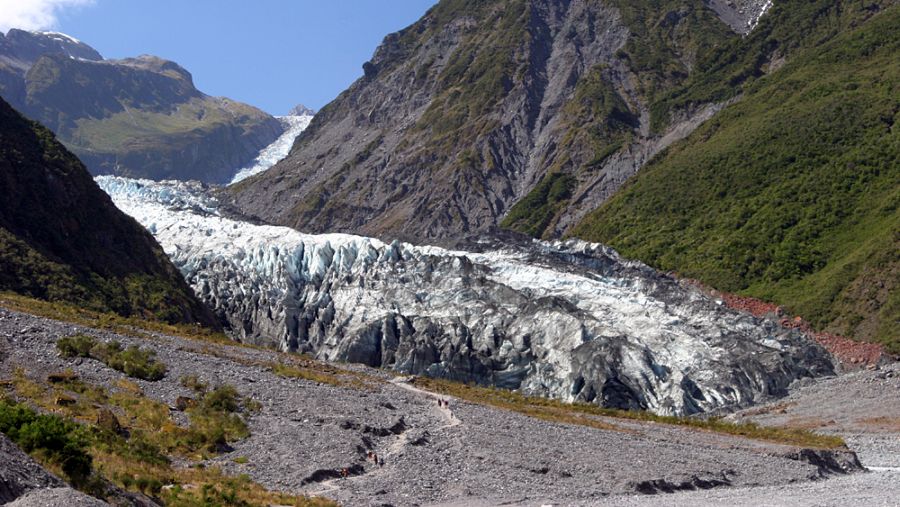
[(20, 474), (138, 116), (741, 15), (301, 110), (471, 110), (62, 239), (569, 320)]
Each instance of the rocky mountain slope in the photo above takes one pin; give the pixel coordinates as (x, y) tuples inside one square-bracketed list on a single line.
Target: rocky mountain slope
[(791, 194), (62, 238), (139, 116), (533, 114), (622, 335), (482, 105)]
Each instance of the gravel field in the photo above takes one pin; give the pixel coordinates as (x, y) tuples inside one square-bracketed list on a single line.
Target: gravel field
[(467, 454)]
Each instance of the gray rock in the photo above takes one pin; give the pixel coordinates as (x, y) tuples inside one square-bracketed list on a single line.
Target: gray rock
[(301, 110), (20, 474), (56, 497)]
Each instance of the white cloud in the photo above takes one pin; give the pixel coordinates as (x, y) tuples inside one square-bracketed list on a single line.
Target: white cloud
[(34, 14)]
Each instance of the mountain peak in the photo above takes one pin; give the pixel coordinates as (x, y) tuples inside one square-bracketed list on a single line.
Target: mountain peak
[(301, 110), (28, 46)]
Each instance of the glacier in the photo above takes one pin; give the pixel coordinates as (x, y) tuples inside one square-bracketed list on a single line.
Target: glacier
[(566, 319), (272, 154)]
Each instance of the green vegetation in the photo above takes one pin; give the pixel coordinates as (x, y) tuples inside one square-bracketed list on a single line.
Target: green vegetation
[(62, 239), (56, 441), (193, 383), (117, 436), (785, 31), (301, 367), (591, 415), (534, 212), (216, 420), (792, 195), (79, 345), (667, 38), (132, 361), (129, 326)]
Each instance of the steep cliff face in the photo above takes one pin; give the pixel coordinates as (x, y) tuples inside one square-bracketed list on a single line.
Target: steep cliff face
[(569, 320), (791, 194), (481, 105), (62, 239), (138, 116)]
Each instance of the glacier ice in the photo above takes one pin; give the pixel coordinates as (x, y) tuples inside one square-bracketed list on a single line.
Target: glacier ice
[(279, 149), (568, 319)]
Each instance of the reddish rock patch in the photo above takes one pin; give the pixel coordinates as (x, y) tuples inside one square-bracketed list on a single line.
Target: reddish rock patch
[(851, 353)]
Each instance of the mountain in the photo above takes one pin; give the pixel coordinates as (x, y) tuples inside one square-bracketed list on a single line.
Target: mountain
[(140, 117), (521, 112), (792, 194), (622, 334), (62, 238), (301, 110), (532, 114)]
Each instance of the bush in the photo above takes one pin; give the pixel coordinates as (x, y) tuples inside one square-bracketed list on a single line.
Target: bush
[(193, 383), (215, 420), (49, 437), (221, 399), (75, 346), (138, 363), (133, 361)]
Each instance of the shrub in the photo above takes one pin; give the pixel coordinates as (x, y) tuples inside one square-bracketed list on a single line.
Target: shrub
[(138, 363), (75, 346), (224, 398), (50, 437), (193, 383), (215, 420), (132, 361)]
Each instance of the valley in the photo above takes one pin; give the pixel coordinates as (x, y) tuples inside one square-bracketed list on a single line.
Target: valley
[(537, 252)]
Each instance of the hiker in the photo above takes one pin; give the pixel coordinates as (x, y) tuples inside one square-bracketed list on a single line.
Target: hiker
[(381, 462), (345, 473)]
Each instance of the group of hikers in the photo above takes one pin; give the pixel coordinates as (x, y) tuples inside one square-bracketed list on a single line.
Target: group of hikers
[(345, 472), (375, 459)]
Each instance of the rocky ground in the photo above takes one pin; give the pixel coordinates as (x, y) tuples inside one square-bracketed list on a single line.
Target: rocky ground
[(24, 483), (307, 432)]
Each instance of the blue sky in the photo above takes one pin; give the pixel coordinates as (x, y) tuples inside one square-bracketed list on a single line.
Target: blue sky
[(272, 54)]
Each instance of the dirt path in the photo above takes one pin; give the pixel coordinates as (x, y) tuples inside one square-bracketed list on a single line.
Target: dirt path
[(396, 447), (444, 410)]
